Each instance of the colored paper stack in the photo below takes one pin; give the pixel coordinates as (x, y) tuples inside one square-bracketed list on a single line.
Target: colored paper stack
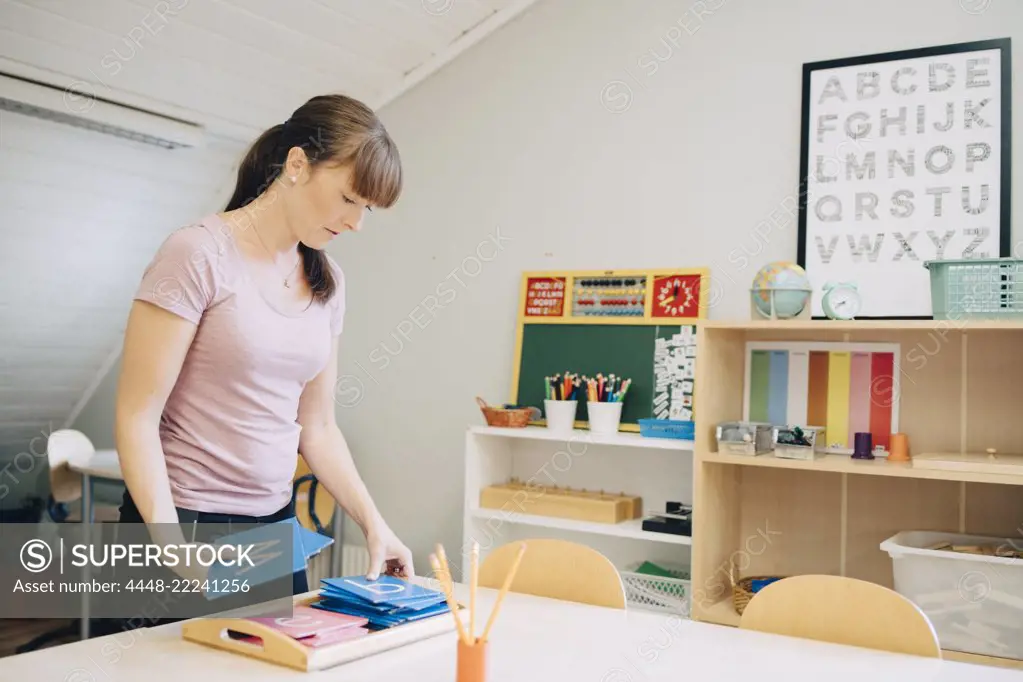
[(384, 602), (315, 628)]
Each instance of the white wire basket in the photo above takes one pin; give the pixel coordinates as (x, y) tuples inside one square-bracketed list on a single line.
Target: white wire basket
[(656, 593)]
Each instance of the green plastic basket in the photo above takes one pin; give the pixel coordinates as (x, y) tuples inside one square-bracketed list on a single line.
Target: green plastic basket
[(979, 288)]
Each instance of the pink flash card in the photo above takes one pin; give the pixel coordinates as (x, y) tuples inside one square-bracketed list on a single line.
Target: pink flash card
[(333, 637), (307, 622)]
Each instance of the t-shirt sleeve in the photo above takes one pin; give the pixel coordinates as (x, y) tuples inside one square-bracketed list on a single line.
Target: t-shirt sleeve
[(337, 313), (180, 278)]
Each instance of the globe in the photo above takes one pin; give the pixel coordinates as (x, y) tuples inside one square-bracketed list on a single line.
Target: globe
[(783, 284)]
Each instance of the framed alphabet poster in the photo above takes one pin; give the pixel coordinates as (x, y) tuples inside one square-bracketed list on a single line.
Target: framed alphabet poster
[(905, 158)]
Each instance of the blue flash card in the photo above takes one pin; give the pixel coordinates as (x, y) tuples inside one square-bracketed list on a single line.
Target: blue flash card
[(312, 542), (385, 589), (418, 602), (268, 553), (378, 619), (344, 599)]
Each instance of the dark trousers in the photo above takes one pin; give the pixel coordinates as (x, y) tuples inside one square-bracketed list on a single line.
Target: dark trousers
[(129, 513)]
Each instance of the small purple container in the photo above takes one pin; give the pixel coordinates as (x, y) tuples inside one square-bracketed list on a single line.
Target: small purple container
[(863, 444)]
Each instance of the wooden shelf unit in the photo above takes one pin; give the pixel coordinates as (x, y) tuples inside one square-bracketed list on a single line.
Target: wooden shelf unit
[(961, 388)]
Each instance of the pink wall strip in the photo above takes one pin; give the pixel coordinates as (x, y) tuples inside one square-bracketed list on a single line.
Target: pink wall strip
[(859, 394)]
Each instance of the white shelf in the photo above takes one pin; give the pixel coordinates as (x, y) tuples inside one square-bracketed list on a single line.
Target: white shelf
[(627, 529), (620, 439)]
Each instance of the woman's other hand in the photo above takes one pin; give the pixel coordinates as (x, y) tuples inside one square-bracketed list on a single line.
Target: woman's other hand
[(387, 553)]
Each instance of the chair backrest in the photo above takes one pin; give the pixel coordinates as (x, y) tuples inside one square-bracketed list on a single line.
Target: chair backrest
[(842, 610), (558, 569), (67, 445), (314, 507), (63, 447)]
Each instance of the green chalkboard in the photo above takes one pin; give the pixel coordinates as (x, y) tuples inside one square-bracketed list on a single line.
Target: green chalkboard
[(623, 350)]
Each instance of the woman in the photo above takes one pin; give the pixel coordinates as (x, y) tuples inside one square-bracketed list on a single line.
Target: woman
[(231, 348)]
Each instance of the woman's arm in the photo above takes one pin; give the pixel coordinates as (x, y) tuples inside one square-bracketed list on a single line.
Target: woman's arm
[(325, 450), (155, 344)]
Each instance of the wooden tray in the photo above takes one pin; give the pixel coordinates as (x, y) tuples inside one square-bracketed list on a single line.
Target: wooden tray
[(280, 649), (564, 503), (973, 462)]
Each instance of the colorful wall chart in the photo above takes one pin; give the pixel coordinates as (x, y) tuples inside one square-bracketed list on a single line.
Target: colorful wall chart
[(844, 387)]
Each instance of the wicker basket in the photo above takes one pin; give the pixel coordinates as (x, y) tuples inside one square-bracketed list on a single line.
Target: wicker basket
[(742, 590), (499, 416)]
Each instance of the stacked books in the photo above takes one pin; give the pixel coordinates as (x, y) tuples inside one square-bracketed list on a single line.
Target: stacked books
[(315, 628), (384, 602)]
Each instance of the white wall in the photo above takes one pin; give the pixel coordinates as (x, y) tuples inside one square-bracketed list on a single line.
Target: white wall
[(81, 214), (514, 139)]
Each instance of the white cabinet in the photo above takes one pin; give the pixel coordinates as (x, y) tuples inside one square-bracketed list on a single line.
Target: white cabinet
[(657, 469)]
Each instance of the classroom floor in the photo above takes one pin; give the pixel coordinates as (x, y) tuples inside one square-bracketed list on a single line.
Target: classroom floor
[(15, 632)]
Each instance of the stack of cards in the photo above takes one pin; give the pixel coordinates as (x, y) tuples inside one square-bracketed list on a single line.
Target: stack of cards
[(315, 627), (384, 602)]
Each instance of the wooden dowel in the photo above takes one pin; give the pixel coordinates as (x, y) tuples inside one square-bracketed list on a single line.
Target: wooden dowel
[(449, 593), (473, 584), (504, 590)]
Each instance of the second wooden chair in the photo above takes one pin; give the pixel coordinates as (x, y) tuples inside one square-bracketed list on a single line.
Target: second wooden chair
[(842, 610), (558, 569)]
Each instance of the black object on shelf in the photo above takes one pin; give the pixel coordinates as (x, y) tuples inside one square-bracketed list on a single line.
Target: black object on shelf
[(678, 508), (677, 520)]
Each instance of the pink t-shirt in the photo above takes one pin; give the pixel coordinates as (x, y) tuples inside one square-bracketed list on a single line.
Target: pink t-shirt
[(229, 429)]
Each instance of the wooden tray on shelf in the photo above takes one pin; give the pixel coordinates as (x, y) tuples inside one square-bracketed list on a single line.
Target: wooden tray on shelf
[(562, 503), (280, 649), (972, 462)]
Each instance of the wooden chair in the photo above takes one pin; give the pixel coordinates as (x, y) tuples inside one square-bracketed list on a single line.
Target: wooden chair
[(314, 509), (558, 569), (842, 610)]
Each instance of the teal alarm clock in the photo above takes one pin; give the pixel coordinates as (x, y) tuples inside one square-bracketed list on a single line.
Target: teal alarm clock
[(841, 300)]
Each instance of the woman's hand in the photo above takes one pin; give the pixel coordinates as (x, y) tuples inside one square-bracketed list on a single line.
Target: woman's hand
[(387, 553)]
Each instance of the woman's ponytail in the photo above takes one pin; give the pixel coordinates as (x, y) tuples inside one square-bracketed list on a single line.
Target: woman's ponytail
[(258, 169)]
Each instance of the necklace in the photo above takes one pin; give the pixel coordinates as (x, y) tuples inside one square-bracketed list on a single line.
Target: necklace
[(287, 285)]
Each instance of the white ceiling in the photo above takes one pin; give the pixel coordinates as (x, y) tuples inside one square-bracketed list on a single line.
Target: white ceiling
[(241, 65), (82, 213)]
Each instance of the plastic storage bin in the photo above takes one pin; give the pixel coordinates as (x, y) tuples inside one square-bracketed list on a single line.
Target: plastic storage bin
[(667, 594), (667, 428), (975, 602), (980, 288)]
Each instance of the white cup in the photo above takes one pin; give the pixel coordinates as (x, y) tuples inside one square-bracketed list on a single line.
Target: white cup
[(560, 414), (605, 418)]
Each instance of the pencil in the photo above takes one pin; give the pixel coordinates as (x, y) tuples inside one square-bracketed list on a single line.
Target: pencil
[(504, 590), (449, 592), (473, 583)]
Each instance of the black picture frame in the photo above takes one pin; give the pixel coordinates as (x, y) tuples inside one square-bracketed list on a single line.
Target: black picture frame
[(1004, 46)]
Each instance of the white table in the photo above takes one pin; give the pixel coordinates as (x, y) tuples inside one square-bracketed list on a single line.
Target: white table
[(534, 639), (101, 464)]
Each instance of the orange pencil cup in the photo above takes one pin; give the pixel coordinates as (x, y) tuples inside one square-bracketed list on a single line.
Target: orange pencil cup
[(899, 448), (472, 661)]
